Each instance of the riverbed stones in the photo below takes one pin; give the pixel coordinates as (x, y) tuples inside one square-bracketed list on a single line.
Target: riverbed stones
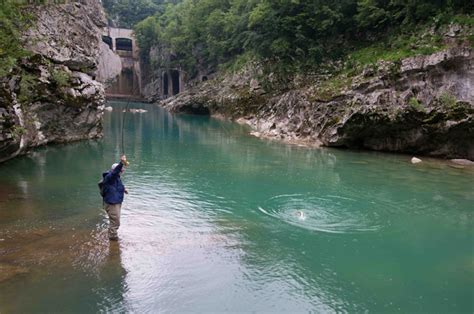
[(8, 271)]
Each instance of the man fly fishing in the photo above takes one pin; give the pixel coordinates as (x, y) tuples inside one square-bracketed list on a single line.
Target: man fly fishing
[(112, 191)]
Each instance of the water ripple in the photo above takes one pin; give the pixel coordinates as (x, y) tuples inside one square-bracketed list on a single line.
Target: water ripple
[(330, 214)]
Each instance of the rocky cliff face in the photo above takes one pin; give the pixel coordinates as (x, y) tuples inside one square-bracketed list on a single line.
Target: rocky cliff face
[(421, 105), (51, 96), (109, 65)]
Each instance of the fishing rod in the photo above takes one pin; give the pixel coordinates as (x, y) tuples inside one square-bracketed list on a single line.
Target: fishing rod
[(123, 123)]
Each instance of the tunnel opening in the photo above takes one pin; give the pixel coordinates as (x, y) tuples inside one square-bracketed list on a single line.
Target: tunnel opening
[(124, 44), (175, 82), (107, 40), (165, 84)]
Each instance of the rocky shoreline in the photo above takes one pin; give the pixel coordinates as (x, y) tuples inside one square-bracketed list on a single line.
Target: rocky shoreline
[(51, 95), (421, 105)]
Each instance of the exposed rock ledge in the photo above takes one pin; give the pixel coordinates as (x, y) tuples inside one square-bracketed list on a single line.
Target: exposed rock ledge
[(52, 95), (422, 105)]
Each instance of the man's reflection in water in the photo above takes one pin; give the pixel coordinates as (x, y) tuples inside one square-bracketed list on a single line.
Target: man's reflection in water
[(112, 287)]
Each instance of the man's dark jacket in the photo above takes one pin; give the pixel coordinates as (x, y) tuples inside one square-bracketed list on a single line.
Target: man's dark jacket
[(113, 187)]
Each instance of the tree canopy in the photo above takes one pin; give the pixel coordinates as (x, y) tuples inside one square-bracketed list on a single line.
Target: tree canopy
[(127, 13), (210, 32)]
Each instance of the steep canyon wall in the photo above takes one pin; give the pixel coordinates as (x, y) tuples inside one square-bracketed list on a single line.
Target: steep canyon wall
[(52, 96), (420, 105)]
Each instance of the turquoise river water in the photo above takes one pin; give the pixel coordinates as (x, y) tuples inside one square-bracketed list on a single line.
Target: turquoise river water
[(212, 224)]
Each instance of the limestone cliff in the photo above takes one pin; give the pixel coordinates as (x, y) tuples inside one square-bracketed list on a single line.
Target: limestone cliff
[(110, 65), (52, 96), (421, 105)]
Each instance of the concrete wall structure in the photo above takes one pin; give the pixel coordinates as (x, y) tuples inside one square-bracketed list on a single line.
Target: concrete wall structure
[(166, 83), (128, 83)]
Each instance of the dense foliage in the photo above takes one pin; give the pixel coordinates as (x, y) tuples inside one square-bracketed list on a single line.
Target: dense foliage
[(126, 13), (210, 32)]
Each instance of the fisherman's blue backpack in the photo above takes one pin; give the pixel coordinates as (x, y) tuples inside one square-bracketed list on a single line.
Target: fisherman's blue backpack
[(101, 187)]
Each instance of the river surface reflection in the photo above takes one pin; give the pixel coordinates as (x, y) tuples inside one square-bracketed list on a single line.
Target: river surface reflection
[(211, 224)]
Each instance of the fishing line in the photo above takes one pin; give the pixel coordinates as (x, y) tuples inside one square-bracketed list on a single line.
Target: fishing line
[(123, 124), (123, 116)]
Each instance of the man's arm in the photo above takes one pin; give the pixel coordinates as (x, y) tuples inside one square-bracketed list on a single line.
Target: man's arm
[(116, 171)]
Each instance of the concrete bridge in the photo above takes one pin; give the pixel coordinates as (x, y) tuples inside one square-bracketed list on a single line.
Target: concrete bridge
[(129, 82)]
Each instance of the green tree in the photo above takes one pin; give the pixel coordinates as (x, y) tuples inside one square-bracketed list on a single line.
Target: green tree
[(301, 33)]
